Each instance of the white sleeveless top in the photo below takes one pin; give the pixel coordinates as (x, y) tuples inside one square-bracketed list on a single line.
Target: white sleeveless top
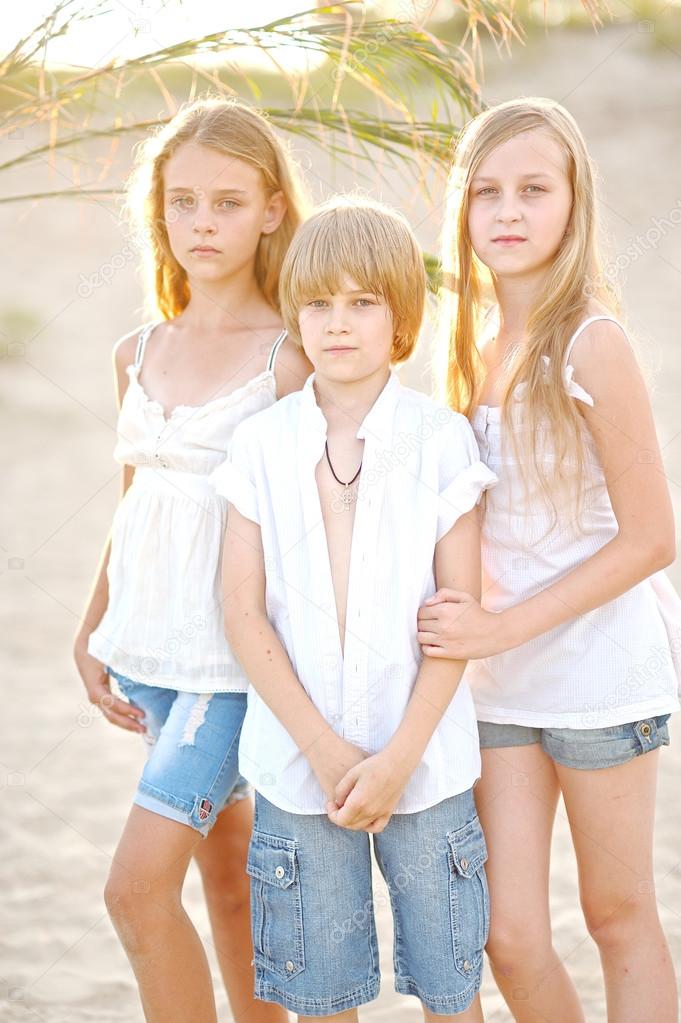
[(164, 622), (618, 663)]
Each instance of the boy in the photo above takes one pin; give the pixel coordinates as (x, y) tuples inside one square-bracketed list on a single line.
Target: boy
[(350, 501)]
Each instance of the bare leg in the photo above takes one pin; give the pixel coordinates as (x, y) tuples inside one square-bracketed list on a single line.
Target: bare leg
[(143, 896), (221, 858), (516, 799), (611, 813)]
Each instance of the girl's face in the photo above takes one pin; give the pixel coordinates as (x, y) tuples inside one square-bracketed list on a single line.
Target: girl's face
[(347, 335), (216, 209), (520, 200)]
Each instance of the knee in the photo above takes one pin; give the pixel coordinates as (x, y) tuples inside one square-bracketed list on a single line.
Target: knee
[(619, 920), (226, 890), (116, 897), (222, 866), (128, 902), (513, 944)]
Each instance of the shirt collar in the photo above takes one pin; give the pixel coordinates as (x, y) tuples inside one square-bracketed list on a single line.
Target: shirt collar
[(377, 423)]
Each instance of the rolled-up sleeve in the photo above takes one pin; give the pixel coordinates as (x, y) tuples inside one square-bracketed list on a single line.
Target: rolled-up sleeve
[(463, 475), (234, 478)]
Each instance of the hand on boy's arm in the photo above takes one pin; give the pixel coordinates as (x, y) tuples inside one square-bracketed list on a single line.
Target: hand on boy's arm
[(452, 624)]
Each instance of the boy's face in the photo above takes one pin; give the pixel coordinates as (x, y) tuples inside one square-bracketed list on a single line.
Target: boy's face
[(347, 336)]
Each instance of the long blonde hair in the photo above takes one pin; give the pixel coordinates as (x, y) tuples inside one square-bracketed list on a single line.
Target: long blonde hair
[(227, 126), (574, 277)]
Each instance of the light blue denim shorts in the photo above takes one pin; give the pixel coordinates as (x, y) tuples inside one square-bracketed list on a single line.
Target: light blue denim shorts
[(192, 743), (586, 749), (312, 908)]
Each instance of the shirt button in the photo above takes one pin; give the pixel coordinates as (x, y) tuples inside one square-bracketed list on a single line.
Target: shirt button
[(464, 864), (279, 872), (289, 966), (466, 965)]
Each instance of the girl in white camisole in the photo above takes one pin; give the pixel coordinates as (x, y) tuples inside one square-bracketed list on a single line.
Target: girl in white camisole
[(163, 624), (218, 198), (574, 648)]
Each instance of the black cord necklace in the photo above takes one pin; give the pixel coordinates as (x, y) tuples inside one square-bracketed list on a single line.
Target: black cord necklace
[(347, 496)]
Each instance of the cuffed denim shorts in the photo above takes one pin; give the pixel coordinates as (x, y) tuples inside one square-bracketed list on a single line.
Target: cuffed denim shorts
[(312, 908), (587, 749), (192, 742)]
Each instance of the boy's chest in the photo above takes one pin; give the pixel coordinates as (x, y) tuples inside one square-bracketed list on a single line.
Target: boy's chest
[(339, 518)]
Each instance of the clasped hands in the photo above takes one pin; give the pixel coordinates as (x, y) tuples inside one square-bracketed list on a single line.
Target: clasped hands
[(362, 790)]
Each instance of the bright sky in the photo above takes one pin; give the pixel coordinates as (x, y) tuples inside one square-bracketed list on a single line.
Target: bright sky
[(129, 28)]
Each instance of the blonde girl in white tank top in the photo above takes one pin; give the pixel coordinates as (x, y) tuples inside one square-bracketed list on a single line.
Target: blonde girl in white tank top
[(575, 645), (219, 201)]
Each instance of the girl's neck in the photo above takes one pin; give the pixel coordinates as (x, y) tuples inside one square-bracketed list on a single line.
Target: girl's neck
[(216, 306), (516, 298)]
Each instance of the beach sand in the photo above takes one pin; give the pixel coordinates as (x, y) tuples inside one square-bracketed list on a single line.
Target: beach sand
[(66, 776)]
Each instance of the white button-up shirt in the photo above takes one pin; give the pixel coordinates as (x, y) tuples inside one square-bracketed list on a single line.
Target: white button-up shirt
[(421, 470)]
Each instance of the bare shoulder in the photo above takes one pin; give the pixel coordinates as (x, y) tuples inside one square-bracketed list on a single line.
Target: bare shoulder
[(123, 356), (601, 344), (605, 363), (292, 368), (124, 349)]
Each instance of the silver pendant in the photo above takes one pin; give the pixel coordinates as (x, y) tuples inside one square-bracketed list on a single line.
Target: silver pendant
[(348, 496)]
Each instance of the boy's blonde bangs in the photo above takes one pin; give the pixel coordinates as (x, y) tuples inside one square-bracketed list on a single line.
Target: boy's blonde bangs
[(369, 243)]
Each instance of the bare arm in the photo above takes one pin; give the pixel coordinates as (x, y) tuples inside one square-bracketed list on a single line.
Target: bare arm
[(621, 423), (264, 659), (92, 672), (369, 792)]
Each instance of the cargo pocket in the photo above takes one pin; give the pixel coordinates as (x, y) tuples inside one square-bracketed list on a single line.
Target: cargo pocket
[(468, 896), (276, 906)]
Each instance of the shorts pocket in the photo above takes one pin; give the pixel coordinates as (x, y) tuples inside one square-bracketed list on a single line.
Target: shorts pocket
[(276, 905), (468, 896)]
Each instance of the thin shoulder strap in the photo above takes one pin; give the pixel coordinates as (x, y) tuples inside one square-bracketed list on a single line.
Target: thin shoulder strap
[(583, 326), (275, 348), (142, 343)]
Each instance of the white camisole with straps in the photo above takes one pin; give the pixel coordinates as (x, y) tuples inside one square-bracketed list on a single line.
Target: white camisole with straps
[(163, 625), (618, 663)]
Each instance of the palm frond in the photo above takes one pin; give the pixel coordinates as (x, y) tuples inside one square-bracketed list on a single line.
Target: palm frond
[(362, 63), (380, 61)]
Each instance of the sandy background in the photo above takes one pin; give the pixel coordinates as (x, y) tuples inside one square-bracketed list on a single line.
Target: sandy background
[(66, 776)]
